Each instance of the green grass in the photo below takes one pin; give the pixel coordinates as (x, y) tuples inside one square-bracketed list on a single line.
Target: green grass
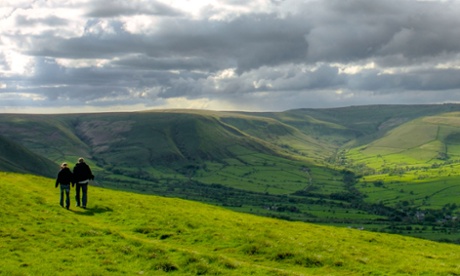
[(264, 163), (127, 233), (16, 158), (427, 192), (423, 141), (256, 172)]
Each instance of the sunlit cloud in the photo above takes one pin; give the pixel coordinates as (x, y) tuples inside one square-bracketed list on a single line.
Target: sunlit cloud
[(101, 55)]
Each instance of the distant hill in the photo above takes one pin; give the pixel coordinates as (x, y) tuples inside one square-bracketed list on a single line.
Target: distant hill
[(16, 158), (138, 139), (131, 234), (358, 124), (161, 137), (429, 138)]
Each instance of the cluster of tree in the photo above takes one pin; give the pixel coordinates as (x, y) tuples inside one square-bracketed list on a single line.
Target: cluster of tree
[(284, 208)]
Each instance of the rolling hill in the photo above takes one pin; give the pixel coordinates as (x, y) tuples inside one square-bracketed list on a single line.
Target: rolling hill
[(421, 141), (128, 233), (383, 168), (163, 146), (16, 158), (358, 125)]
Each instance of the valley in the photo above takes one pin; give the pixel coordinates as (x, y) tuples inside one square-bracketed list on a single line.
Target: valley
[(390, 169)]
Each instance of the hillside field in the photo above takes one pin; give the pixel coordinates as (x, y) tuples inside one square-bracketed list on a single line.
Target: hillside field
[(389, 169), (128, 233)]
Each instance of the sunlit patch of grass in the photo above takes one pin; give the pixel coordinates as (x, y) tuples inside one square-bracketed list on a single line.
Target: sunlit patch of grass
[(127, 233)]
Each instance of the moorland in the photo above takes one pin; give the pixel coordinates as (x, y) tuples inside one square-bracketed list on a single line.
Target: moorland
[(383, 168)]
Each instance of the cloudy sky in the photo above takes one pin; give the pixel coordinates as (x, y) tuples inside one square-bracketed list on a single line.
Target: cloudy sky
[(260, 55)]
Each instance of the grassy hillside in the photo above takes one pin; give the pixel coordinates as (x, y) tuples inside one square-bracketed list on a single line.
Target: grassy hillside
[(50, 136), (426, 140), (384, 168), (165, 147), (162, 138), (417, 162), (16, 158), (357, 125), (126, 233)]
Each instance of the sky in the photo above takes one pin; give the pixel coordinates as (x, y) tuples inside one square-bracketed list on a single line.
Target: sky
[(67, 56)]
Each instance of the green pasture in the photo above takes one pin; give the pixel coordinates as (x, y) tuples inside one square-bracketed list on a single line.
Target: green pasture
[(448, 119), (255, 172), (123, 233), (453, 151), (257, 179), (391, 194), (285, 164), (265, 173), (383, 158), (422, 141), (438, 193), (426, 193), (334, 213)]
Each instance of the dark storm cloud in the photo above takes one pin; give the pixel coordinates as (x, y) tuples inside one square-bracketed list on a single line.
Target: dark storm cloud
[(142, 61), (420, 80), (103, 44), (91, 83), (247, 42), (314, 51), (354, 30), (265, 40)]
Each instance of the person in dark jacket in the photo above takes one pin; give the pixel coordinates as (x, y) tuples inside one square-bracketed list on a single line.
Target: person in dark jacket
[(82, 173), (65, 178)]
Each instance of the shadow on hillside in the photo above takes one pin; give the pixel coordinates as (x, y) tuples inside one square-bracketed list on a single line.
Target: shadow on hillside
[(91, 211)]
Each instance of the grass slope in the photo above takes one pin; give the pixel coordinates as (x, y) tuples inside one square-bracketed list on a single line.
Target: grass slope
[(419, 142), (358, 124), (173, 145), (50, 136), (285, 164), (16, 158), (415, 164), (126, 233)]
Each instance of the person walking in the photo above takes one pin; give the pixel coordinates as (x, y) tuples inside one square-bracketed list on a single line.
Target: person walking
[(65, 178), (82, 173)]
